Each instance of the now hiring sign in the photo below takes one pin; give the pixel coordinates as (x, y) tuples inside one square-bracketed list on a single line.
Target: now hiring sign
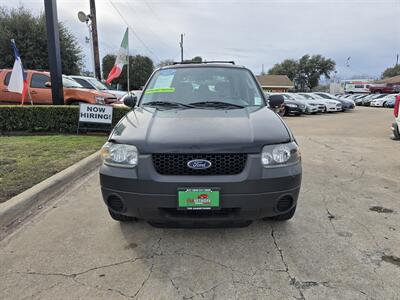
[(93, 113)]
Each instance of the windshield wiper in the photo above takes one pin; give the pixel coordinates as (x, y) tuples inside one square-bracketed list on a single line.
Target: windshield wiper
[(217, 104), (168, 104)]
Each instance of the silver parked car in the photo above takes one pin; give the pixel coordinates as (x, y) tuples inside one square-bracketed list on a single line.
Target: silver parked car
[(94, 84)]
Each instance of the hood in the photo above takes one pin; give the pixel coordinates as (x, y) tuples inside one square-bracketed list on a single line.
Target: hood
[(297, 102), (201, 130), (93, 92), (315, 102), (291, 101), (115, 93)]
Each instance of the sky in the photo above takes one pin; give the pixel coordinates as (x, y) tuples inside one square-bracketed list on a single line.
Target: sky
[(252, 33)]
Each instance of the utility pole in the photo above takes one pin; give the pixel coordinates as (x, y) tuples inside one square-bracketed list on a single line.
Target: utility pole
[(95, 40), (53, 45), (262, 69), (397, 59), (181, 44)]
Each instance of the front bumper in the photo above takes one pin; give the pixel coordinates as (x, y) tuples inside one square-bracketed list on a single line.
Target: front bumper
[(337, 107), (250, 195), (312, 109), (293, 110), (376, 104)]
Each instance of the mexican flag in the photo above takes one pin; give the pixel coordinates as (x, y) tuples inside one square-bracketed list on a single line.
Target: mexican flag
[(122, 59)]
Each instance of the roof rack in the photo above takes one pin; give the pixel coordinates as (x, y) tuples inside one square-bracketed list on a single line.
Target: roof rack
[(205, 62)]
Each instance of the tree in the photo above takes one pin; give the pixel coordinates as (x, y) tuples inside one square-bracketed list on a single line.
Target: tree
[(29, 32), (288, 67), (165, 62), (390, 72), (305, 72), (311, 69), (196, 59), (140, 69)]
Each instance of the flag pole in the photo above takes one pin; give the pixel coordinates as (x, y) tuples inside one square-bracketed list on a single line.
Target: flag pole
[(128, 85)]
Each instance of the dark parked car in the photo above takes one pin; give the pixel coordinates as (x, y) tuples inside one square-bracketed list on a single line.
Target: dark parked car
[(201, 147), (293, 107), (390, 102), (359, 99)]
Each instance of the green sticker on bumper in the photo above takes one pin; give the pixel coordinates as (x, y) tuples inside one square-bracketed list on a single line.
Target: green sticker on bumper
[(198, 199)]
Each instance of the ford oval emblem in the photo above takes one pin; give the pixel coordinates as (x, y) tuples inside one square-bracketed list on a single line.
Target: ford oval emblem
[(199, 164)]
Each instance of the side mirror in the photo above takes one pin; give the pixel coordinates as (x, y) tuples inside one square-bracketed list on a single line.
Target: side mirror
[(130, 100), (47, 84), (275, 101)]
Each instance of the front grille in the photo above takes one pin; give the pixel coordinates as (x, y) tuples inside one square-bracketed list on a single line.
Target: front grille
[(110, 100), (221, 163)]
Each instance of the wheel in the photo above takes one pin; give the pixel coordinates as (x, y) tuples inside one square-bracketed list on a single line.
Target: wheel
[(384, 104), (324, 110), (285, 216), (377, 92), (121, 218), (396, 133), (282, 112)]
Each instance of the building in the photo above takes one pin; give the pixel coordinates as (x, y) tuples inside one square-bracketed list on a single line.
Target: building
[(275, 83)]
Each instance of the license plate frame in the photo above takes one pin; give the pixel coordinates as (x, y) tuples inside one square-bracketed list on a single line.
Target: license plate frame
[(198, 198)]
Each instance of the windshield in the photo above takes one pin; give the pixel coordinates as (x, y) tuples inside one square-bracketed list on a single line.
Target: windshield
[(324, 96), (204, 84), (70, 83), (300, 97), (288, 97), (98, 84), (308, 97)]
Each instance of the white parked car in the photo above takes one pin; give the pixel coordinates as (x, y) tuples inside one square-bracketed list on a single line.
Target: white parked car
[(381, 102), (353, 88), (94, 84), (311, 108), (319, 104), (330, 104)]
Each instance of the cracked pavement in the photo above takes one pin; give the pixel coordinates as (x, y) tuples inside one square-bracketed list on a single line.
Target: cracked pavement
[(338, 245)]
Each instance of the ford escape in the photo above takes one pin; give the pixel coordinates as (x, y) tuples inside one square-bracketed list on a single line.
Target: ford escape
[(201, 146)]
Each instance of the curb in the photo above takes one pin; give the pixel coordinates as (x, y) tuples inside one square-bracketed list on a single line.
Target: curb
[(24, 204)]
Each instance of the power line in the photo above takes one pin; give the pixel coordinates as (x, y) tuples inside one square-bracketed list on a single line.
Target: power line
[(133, 31), (148, 28)]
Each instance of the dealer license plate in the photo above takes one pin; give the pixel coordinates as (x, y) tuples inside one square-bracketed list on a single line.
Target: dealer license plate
[(198, 198)]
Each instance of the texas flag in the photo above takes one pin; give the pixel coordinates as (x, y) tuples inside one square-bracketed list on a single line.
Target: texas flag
[(18, 83), (122, 59)]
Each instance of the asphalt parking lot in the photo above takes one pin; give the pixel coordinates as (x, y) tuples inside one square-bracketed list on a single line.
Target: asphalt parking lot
[(343, 243)]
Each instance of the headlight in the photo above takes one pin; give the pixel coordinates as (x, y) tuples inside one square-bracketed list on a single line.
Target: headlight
[(332, 102), (291, 105), (280, 155), (99, 100), (119, 155)]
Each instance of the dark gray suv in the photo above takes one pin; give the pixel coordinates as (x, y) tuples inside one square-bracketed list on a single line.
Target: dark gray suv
[(201, 147)]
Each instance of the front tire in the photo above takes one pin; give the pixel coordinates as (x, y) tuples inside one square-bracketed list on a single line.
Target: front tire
[(396, 133), (285, 216), (121, 218)]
